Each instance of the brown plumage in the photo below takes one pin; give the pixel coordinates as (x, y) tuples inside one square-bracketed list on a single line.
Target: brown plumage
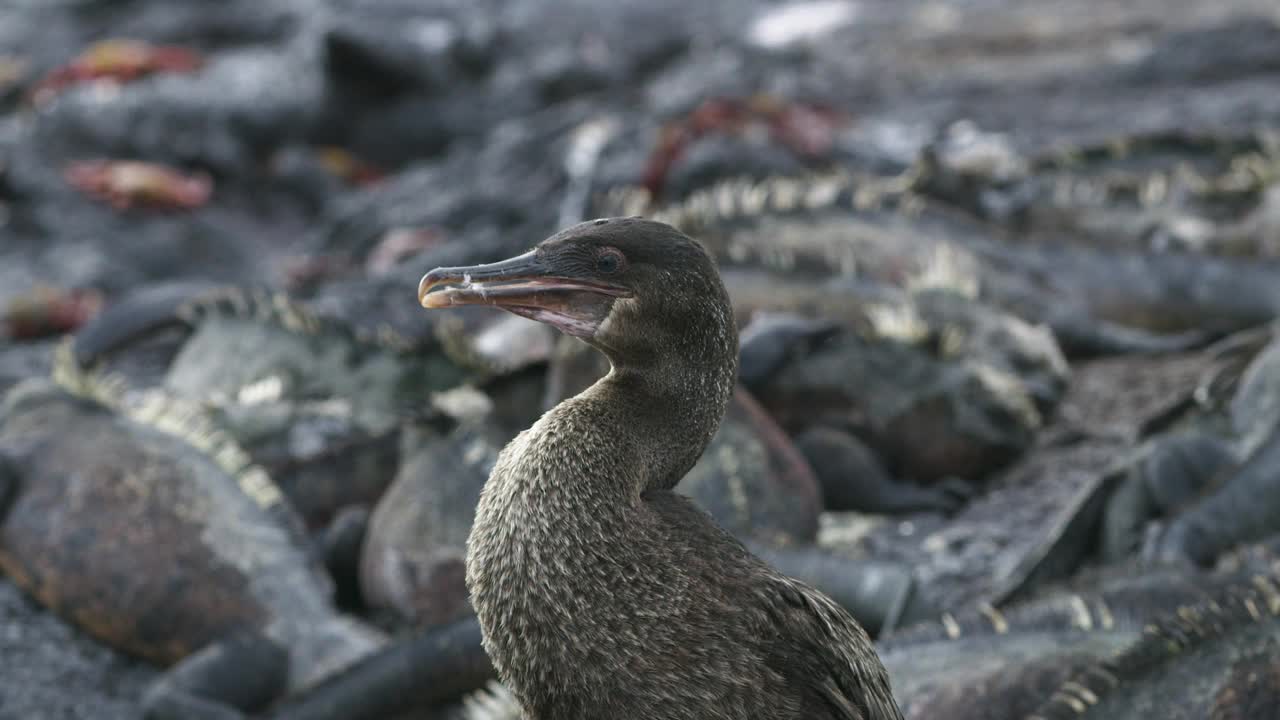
[(601, 592)]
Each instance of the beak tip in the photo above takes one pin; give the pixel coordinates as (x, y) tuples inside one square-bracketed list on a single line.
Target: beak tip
[(424, 287)]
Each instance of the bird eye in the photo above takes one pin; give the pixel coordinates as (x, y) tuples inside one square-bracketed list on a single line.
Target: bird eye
[(609, 261)]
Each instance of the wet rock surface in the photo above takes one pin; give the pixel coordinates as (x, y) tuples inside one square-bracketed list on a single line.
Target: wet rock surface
[(998, 260)]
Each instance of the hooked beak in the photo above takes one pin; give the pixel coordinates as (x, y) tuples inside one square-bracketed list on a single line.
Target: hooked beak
[(525, 286)]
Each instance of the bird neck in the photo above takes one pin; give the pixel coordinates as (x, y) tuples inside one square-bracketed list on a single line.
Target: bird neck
[(667, 410)]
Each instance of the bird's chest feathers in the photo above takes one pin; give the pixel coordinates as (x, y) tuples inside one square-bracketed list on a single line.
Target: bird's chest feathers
[(545, 531), (560, 566)]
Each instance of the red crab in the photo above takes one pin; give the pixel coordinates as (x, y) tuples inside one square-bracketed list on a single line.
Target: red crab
[(127, 183), (807, 129), (49, 311), (119, 61)]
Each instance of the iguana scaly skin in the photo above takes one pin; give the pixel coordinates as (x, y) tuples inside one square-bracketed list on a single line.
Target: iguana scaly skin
[(997, 664), (1164, 191), (149, 527), (886, 231), (1218, 659), (316, 401), (1202, 415)]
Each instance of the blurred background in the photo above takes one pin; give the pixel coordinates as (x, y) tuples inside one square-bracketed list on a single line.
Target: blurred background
[(1005, 274)]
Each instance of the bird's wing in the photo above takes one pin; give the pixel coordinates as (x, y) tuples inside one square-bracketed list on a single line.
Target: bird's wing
[(804, 637), (825, 651)]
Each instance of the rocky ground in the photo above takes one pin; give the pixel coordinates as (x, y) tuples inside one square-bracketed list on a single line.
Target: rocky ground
[(339, 148), (53, 671)]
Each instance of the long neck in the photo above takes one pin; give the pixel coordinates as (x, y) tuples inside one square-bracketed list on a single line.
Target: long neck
[(668, 409)]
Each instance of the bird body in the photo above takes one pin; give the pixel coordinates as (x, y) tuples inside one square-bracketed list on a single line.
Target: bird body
[(601, 592)]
